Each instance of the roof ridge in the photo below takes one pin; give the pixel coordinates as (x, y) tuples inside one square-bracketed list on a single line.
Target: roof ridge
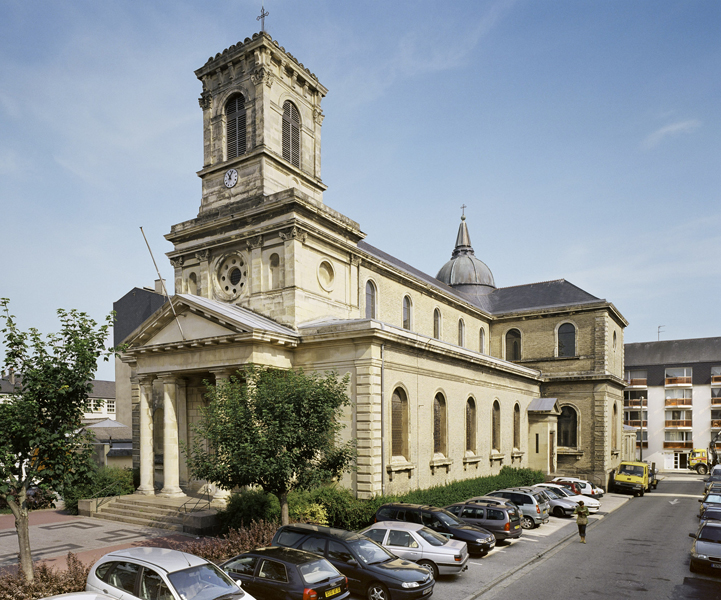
[(713, 337), (537, 283)]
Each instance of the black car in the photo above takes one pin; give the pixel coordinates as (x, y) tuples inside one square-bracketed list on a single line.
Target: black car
[(286, 574), (479, 540), (711, 514), (372, 571)]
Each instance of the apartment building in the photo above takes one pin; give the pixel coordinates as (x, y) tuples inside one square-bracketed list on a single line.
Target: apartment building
[(673, 397)]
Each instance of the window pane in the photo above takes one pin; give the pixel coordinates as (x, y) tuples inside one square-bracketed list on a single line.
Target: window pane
[(399, 538), (567, 340), (123, 576), (314, 544), (152, 587), (275, 571), (370, 300), (513, 345)]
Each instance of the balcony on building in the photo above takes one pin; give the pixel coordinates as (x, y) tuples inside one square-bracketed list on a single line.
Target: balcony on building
[(715, 423), (678, 445), (679, 423), (716, 398), (679, 376), (636, 379), (637, 423), (679, 401)]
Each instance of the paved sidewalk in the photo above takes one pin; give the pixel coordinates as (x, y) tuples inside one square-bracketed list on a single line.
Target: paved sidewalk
[(53, 534)]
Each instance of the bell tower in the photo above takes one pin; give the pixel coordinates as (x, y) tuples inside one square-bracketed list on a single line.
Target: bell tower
[(262, 122)]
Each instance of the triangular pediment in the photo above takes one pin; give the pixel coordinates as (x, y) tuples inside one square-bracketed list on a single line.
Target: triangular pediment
[(195, 327)]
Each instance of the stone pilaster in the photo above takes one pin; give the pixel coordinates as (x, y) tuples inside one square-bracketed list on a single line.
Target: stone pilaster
[(369, 434), (147, 466), (171, 448)]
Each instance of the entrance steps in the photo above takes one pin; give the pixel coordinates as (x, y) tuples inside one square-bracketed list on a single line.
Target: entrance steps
[(174, 514)]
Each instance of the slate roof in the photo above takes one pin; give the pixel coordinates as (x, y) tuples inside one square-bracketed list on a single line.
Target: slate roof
[(102, 389), (241, 317), (118, 434), (547, 405), (668, 352), (546, 294)]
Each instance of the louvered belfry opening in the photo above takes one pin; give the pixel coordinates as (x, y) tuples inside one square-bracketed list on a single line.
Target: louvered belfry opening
[(291, 133), (439, 425), (235, 126), (399, 424)]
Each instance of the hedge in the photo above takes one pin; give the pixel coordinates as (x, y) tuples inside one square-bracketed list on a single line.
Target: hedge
[(344, 511), (106, 481)]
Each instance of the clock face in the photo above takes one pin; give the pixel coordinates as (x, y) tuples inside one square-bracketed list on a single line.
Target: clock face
[(231, 178)]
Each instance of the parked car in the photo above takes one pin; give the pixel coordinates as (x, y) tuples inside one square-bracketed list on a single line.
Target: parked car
[(479, 540), (592, 504), (711, 479), (586, 487), (573, 486), (710, 500), (372, 571), (287, 573), (412, 541), (561, 506), (706, 548), (503, 521), (711, 514), (79, 596), (161, 574), (533, 506)]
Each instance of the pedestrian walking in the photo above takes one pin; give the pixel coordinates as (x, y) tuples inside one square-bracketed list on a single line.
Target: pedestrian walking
[(581, 519)]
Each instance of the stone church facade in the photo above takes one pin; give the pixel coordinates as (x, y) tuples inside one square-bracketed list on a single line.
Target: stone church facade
[(450, 377)]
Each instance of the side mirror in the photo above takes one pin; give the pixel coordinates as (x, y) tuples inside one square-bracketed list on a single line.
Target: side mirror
[(692, 535), (413, 545), (700, 499), (352, 562)]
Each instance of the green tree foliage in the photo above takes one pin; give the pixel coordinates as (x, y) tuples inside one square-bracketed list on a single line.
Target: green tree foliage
[(42, 444), (275, 429)]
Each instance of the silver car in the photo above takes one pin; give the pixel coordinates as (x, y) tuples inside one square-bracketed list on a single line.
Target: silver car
[(706, 549), (161, 574), (561, 506), (413, 541)]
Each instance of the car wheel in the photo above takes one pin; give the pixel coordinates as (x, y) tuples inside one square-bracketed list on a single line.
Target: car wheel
[(377, 591), (692, 567), (701, 469), (527, 523), (641, 493), (558, 512), (430, 566)]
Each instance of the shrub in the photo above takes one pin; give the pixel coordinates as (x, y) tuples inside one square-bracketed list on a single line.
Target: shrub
[(308, 513), (105, 481), (47, 582), (37, 499), (248, 506)]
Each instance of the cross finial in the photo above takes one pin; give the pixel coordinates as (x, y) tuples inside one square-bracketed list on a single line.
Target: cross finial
[(261, 18), (463, 215)]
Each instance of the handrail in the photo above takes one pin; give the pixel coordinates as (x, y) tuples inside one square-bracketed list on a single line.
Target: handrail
[(194, 504), (105, 497)]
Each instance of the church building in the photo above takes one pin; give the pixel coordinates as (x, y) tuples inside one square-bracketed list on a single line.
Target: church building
[(450, 376)]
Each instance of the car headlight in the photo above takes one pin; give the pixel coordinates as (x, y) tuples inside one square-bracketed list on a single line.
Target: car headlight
[(701, 556), (481, 541), (410, 584)]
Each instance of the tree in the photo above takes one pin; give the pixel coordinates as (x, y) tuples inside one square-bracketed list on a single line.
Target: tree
[(42, 443), (276, 429)]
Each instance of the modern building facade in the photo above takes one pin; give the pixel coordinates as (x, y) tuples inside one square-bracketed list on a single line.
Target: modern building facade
[(451, 377), (673, 397)]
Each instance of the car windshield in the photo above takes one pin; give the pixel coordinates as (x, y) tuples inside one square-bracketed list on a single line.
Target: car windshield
[(562, 492), (433, 538), (318, 570), (204, 582), (447, 518), (370, 552), (551, 494), (713, 499), (716, 477), (631, 470), (710, 534)]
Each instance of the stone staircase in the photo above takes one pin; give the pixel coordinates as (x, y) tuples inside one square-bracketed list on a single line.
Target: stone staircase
[(153, 511)]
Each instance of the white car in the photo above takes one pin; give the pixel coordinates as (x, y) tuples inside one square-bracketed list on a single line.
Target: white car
[(161, 574), (79, 596), (592, 504), (587, 488)]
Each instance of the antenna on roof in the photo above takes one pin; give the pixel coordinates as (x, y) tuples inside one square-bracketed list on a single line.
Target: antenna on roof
[(659, 332), (162, 282)]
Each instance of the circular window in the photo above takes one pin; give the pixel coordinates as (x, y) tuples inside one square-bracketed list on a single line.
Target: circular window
[(232, 275), (326, 276)]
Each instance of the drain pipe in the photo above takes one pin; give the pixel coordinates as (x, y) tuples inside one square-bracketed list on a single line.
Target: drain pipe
[(383, 441)]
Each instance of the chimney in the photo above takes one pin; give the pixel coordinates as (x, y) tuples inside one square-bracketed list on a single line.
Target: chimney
[(159, 283)]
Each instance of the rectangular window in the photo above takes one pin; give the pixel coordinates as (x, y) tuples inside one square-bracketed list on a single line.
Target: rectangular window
[(110, 404), (645, 435), (678, 436), (536, 443), (715, 374), (636, 377), (678, 375)]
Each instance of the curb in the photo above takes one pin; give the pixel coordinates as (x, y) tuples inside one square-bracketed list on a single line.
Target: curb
[(539, 556)]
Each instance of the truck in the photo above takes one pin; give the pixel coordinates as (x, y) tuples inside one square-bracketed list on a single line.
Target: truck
[(635, 477), (702, 460)]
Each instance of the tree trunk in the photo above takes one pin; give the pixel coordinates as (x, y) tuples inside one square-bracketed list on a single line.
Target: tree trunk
[(284, 517), (22, 526)]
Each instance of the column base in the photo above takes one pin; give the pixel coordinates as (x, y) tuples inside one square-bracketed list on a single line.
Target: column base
[(173, 492), (221, 495), (145, 491)]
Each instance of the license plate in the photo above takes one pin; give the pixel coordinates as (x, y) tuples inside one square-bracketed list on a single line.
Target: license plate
[(428, 591), (716, 566), (332, 592), (516, 527)]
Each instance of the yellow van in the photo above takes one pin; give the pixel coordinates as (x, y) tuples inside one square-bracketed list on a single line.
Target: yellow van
[(635, 477)]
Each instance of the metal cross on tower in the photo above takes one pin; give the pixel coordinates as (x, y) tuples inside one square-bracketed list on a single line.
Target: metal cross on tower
[(261, 18), (463, 208)]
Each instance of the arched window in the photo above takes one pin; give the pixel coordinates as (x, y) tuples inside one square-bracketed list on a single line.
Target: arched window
[(517, 427), (614, 428), (513, 345), (399, 424), (274, 264), (567, 340), (407, 312), (370, 300), (235, 126), (439, 425), (568, 427), (193, 284), (471, 425), (437, 324), (461, 333), (482, 344), (291, 133), (496, 424)]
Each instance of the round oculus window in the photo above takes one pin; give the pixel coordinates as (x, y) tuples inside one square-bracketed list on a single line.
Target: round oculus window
[(326, 275), (232, 275)]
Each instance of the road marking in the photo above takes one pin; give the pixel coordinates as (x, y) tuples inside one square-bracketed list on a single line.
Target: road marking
[(651, 495), (673, 502)]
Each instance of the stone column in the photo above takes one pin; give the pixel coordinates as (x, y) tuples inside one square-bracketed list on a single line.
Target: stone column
[(147, 455), (221, 376), (171, 449)]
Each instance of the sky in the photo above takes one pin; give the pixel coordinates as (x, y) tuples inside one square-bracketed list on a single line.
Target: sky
[(583, 136)]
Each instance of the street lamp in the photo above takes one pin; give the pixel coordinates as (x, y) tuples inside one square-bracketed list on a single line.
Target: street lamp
[(641, 446)]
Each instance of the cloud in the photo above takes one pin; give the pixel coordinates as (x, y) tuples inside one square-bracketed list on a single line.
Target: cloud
[(654, 139)]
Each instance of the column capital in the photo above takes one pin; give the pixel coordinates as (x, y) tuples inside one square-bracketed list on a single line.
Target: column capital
[(170, 378), (146, 379)]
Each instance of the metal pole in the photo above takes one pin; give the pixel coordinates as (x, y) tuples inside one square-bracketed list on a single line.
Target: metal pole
[(641, 446)]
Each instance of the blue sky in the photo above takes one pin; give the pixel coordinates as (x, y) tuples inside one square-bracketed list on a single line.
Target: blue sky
[(584, 137)]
